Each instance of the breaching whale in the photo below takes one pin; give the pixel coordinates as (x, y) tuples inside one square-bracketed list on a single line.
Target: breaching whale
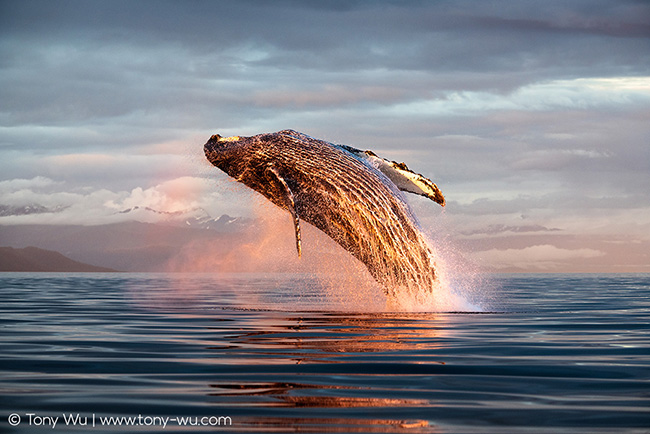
[(351, 195)]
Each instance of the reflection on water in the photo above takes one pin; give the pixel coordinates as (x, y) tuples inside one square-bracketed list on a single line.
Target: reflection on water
[(282, 392), (565, 353), (312, 336), (315, 425), (331, 338)]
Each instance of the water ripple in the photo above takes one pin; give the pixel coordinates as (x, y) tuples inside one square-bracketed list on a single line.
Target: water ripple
[(565, 353)]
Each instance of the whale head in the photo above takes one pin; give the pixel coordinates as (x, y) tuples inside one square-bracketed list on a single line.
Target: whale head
[(227, 153)]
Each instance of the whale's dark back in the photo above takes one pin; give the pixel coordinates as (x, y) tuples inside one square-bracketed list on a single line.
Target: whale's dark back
[(352, 202)]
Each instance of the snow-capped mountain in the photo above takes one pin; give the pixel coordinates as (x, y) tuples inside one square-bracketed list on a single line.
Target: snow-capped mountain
[(197, 218)]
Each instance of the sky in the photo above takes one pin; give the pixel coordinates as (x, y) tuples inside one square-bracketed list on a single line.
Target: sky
[(532, 117)]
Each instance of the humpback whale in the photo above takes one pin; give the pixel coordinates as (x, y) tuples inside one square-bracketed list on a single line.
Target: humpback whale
[(353, 196)]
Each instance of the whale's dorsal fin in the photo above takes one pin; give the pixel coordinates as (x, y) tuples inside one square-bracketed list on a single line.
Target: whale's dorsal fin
[(403, 177), (290, 204)]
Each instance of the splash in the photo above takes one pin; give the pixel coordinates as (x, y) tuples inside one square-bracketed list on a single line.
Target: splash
[(352, 196), (343, 283)]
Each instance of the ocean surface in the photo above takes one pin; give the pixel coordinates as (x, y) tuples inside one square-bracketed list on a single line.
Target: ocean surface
[(274, 353)]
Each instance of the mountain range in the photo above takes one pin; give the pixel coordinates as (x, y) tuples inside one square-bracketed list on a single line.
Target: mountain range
[(194, 241), (126, 246), (198, 243), (34, 259)]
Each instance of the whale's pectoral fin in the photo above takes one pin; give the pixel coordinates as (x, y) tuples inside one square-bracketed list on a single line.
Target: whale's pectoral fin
[(407, 180), (403, 177), (289, 203)]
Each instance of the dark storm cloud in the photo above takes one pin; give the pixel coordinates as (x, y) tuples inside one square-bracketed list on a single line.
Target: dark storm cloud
[(316, 35)]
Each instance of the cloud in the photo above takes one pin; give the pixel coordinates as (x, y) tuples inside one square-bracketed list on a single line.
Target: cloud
[(534, 111), (544, 257), (501, 229), (329, 96), (580, 94), (180, 194), (37, 182), (177, 198), (556, 159)]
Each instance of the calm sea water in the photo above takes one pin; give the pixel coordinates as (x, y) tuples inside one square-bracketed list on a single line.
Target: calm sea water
[(555, 353)]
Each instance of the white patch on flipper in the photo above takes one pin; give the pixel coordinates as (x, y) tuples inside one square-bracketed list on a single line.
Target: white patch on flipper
[(403, 177)]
